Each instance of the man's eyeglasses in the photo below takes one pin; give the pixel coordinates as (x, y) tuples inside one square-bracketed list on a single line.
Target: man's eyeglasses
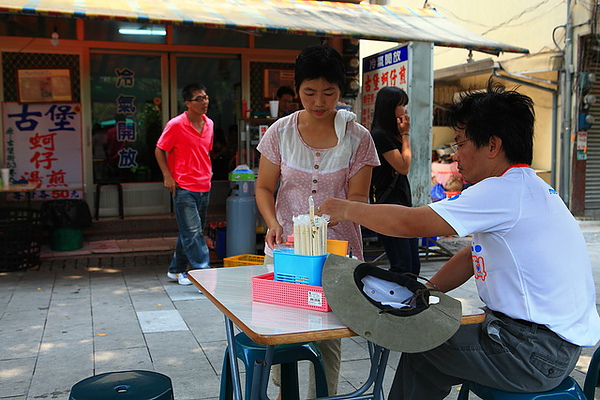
[(457, 145), (200, 98)]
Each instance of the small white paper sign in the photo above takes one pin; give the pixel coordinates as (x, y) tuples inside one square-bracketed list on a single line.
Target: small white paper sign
[(315, 299)]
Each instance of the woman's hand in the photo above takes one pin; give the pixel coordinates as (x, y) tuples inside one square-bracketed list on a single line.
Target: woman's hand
[(403, 124), (274, 236)]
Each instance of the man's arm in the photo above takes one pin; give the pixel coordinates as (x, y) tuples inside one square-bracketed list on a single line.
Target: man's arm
[(161, 159), (455, 272), (388, 219)]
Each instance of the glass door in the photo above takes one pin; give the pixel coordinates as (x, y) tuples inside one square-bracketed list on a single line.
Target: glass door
[(126, 116), (221, 74)]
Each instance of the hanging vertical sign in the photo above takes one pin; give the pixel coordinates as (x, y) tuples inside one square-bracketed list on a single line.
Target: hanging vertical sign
[(582, 147), (388, 68), (42, 142)]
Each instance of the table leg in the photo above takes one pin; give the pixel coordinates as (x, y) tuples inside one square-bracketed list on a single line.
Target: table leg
[(235, 372), (379, 358)]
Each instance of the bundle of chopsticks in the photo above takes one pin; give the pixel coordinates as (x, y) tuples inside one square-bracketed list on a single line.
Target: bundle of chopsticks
[(310, 233)]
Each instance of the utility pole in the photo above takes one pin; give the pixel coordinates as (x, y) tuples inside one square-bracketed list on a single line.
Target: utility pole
[(565, 176)]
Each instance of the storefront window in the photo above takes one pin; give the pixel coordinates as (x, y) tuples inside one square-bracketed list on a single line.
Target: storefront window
[(126, 115), (221, 76)]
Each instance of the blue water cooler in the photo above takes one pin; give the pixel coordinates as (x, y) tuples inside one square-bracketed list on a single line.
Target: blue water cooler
[(241, 213)]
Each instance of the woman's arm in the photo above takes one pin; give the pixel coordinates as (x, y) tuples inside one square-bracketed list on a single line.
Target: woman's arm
[(266, 184), (400, 160), (359, 185)]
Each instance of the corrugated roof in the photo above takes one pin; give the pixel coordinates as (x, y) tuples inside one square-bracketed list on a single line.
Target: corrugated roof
[(332, 19)]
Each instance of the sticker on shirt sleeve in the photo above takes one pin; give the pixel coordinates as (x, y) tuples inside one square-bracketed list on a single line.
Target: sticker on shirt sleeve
[(478, 262)]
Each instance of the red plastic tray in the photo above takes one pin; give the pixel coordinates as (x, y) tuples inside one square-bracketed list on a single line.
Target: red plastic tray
[(266, 290)]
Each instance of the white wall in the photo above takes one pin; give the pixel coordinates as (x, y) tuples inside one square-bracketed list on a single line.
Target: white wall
[(527, 24)]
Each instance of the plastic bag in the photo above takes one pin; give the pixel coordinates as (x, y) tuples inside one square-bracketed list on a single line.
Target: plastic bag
[(437, 192)]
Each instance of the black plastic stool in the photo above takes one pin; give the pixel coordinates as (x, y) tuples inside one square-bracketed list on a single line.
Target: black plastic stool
[(99, 185), (130, 385)]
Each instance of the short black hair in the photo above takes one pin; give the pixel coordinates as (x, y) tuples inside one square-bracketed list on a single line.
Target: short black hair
[(188, 90), (282, 91), (320, 61), (495, 111), (384, 112)]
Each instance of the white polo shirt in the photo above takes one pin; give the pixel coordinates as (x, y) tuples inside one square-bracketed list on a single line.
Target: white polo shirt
[(530, 259)]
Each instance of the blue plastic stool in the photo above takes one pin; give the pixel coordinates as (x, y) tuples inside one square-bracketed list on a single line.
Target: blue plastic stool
[(131, 385), (286, 354), (567, 390)]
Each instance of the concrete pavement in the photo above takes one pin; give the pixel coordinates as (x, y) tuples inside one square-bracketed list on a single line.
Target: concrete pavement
[(81, 316)]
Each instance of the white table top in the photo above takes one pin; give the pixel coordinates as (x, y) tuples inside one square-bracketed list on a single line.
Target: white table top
[(230, 289)]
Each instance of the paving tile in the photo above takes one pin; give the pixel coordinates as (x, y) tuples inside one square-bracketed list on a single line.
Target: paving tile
[(123, 359), (177, 355), (204, 320), (60, 365), (146, 301), (15, 375), (161, 321), (21, 334), (179, 292)]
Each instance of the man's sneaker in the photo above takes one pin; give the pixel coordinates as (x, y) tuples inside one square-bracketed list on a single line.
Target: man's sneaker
[(172, 276), (181, 278)]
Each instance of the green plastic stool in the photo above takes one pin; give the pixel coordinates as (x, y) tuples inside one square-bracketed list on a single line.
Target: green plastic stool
[(129, 385), (287, 355)]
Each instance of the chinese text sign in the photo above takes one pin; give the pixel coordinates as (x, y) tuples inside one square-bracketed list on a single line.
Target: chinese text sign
[(42, 142), (388, 68)]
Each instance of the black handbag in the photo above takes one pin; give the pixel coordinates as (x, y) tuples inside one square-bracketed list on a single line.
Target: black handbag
[(385, 194)]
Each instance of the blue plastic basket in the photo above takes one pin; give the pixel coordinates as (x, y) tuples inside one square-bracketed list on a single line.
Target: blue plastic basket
[(297, 268)]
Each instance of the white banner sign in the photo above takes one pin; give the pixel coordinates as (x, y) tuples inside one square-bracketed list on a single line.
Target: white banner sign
[(42, 142), (388, 68)]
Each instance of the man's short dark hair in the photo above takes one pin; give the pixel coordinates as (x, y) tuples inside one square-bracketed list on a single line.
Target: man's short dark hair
[(507, 114), (320, 61), (188, 91), (282, 91)]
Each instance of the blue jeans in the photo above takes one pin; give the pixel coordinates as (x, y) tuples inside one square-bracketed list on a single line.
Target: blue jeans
[(402, 253), (191, 248)]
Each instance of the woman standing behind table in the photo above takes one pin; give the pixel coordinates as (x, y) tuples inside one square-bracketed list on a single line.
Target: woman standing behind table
[(318, 152), (390, 131)]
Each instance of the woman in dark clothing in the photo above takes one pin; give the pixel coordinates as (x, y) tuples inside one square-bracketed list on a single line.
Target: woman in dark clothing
[(389, 184)]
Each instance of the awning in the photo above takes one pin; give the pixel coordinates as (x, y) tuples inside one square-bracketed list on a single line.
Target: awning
[(319, 18)]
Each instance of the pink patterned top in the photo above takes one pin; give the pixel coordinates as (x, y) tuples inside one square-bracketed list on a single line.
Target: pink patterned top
[(322, 173)]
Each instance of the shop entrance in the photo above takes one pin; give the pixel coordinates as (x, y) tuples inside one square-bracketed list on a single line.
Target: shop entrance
[(132, 97)]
